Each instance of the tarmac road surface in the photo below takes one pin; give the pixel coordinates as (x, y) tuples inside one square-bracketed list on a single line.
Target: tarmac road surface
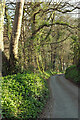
[(64, 99)]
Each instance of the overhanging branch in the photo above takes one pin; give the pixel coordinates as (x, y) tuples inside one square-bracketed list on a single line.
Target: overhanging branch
[(55, 23), (57, 42)]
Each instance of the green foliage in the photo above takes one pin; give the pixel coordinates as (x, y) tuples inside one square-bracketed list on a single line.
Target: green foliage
[(74, 37), (73, 74), (51, 72), (75, 47), (23, 95), (61, 22)]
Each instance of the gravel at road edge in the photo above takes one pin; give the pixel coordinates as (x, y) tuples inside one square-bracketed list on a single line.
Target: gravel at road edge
[(47, 109)]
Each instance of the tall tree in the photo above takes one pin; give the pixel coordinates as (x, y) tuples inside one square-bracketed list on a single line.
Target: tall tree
[(2, 10), (16, 32)]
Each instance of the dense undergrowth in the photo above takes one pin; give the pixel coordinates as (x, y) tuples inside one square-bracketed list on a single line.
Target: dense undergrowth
[(24, 95), (73, 74)]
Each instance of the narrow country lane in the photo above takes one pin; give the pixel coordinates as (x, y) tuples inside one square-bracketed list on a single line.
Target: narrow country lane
[(64, 99)]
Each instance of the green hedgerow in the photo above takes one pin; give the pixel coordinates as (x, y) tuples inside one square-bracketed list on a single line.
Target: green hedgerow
[(73, 74), (23, 95)]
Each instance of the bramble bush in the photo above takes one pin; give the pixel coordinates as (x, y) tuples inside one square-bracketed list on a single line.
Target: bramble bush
[(24, 95)]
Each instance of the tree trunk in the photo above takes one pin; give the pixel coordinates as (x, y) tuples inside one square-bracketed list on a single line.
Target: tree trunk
[(43, 55), (3, 58), (2, 9), (53, 56), (60, 66), (16, 33), (7, 16)]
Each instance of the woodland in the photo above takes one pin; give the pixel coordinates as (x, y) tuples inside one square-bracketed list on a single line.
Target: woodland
[(41, 38), (37, 39)]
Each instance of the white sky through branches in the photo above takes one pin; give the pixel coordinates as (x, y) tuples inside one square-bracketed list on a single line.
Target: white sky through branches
[(74, 13)]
